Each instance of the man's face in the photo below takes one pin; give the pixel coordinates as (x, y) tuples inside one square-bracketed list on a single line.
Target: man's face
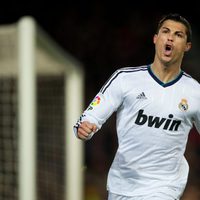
[(171, 42)]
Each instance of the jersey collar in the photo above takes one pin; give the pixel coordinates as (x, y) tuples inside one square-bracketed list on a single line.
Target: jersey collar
[(160, 82)]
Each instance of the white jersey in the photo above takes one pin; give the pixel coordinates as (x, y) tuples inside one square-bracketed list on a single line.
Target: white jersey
[(153, 122)]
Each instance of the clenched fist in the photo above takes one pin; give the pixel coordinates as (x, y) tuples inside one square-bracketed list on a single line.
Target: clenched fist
[(86, 130)]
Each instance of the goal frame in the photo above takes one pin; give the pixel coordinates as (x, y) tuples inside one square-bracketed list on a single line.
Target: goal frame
[(28, 32)]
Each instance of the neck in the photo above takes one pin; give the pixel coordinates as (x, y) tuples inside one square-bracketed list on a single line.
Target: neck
[(165, 73)]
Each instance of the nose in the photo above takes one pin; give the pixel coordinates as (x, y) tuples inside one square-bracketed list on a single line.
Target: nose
[(170, 37)]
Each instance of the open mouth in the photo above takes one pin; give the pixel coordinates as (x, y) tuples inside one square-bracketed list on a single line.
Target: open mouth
[(168, 49)]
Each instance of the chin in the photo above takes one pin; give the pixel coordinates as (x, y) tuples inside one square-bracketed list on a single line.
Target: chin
[(166, 63)]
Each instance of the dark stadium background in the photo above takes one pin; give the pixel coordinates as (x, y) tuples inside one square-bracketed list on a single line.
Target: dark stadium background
[(106, 35)]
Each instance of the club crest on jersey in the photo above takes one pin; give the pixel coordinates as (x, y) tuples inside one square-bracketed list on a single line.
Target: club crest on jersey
[(183, 105), (96, 101)]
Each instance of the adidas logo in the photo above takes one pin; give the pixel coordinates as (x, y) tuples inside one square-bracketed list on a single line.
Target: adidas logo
[(141, 96)]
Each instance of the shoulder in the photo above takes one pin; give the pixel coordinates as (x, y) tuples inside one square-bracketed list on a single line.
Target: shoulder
[(123, 76), (190, 81), (126, 71), (132, 69), (191, 85), (121, 72)]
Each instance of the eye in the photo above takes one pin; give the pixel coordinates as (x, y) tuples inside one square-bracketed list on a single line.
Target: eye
[(165, 31), (180, 35)]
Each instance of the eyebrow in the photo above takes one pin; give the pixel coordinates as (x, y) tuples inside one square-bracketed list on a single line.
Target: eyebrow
[(164, 27)]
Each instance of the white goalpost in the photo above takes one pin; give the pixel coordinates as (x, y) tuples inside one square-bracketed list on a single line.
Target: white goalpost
[(41, 97), (27, 110)]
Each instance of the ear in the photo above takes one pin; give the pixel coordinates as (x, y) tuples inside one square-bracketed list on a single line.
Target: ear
[(155, 38), (188, 46)]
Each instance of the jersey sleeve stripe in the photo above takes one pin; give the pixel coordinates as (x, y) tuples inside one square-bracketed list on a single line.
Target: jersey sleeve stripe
[(187, 75)]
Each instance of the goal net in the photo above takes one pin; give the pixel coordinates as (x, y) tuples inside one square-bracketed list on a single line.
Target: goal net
[(41, 96)]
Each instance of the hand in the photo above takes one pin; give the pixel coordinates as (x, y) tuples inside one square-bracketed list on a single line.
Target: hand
[(86, 130)]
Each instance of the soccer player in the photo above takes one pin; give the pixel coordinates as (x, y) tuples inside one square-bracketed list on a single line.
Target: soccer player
[(156, 107)]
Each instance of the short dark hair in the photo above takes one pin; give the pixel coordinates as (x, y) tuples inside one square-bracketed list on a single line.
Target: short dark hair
[(178, 18)]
